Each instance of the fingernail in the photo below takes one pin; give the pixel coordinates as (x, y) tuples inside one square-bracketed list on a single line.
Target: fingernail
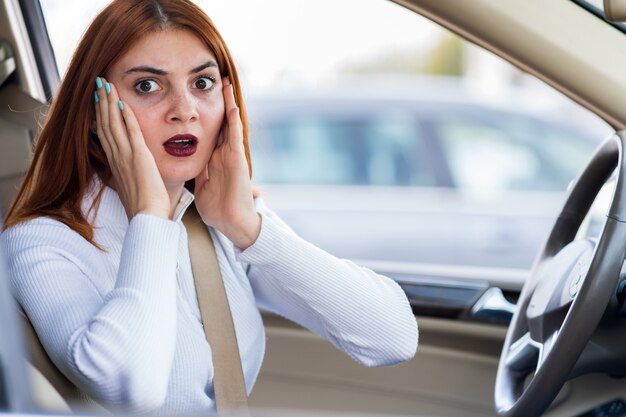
[(95, 96), (107, 87), (119, 103), (98, 82), (227, 81)]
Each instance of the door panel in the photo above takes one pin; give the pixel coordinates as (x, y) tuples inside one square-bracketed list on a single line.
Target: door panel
[(451, 375)]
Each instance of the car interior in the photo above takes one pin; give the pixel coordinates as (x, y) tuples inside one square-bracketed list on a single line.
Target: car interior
[(463, 313)]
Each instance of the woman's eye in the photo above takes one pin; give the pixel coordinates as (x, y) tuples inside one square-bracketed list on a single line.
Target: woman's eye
[(146, 86), (203, 83)]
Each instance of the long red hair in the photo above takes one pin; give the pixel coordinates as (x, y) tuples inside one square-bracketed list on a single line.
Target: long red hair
[(67, 152)]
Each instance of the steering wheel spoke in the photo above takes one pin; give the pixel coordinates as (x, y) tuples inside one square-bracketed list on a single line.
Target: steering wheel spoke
[(545, 349), (523, 354)]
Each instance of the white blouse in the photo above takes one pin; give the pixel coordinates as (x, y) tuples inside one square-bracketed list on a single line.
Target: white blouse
[(124, 324)]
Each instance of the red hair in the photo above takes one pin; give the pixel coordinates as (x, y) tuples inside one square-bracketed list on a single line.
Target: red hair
[(67, 153)]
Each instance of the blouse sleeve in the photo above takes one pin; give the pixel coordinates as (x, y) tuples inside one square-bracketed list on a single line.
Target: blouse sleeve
[(360, 312), (117, 346)]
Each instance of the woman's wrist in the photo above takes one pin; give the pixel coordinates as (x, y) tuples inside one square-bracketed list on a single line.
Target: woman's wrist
[(244, 234), (164, 214)]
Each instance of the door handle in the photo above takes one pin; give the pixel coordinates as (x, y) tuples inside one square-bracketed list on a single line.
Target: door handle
[(492, 305)]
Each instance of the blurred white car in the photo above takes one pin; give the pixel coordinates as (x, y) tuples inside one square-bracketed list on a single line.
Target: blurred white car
[(428, 174)]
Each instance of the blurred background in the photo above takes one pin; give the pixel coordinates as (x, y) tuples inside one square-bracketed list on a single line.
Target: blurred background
[(280, 44), (385, 138)]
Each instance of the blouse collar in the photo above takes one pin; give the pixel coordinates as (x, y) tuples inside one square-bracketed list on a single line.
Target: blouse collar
[(112, 209)]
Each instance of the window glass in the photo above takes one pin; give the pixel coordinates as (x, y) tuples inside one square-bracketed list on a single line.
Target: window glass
[(512, 154), (427, 120), (482, 156), (382, 150), (306, 151), (396, 153), (64, 37)]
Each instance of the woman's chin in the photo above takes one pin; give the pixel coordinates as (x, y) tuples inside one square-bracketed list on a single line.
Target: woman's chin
[(179, 178)]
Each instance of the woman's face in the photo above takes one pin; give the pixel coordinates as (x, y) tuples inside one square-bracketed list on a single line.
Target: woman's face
[(172, 82)]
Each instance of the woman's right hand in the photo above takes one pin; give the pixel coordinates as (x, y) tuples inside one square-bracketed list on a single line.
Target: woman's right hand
[(136, 177)]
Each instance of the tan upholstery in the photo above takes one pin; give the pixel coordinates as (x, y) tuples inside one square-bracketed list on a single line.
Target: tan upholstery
[(52, 390)]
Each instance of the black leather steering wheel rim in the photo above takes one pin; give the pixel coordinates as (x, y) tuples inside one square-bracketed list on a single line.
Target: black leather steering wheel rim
[(516, 395)]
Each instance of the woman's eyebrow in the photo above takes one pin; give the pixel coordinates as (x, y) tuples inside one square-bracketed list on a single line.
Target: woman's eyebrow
[(157, 71), (144, 68), (199, 68)]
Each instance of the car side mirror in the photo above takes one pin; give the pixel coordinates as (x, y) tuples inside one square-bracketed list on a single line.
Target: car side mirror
[(615, 10)]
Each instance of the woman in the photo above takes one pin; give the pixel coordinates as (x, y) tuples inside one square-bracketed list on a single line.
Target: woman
[(99, 257)]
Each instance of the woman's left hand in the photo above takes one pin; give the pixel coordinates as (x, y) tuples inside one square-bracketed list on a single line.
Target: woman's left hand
[(223, 190)]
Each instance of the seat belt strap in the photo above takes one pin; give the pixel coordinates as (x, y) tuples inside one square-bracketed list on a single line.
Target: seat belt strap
[(228, 381)]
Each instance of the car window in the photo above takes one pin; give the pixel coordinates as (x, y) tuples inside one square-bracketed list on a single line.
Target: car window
[(380, 150), (378, 142), (509, 153)]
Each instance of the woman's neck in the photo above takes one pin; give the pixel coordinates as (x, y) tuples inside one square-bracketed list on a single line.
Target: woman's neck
[(175, 192)]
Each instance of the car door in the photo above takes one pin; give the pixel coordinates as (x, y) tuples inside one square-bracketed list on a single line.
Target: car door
[(462, 310)]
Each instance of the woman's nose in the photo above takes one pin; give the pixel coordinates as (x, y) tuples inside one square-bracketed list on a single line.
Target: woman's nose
[(183, 108)]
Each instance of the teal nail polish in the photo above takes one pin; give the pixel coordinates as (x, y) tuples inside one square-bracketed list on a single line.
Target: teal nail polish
[(119, 103), (95, 96), (98, 82), (107, 87)]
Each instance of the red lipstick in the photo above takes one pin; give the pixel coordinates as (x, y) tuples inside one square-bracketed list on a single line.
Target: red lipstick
[(181, 145)]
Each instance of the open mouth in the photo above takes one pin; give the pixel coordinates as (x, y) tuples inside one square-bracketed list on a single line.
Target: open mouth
[(181, 145)]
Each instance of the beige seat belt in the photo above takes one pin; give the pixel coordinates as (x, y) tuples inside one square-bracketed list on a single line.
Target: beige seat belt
[(228, 381)]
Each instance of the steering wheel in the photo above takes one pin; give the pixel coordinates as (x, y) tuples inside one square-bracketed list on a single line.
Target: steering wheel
[(571, 284)]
